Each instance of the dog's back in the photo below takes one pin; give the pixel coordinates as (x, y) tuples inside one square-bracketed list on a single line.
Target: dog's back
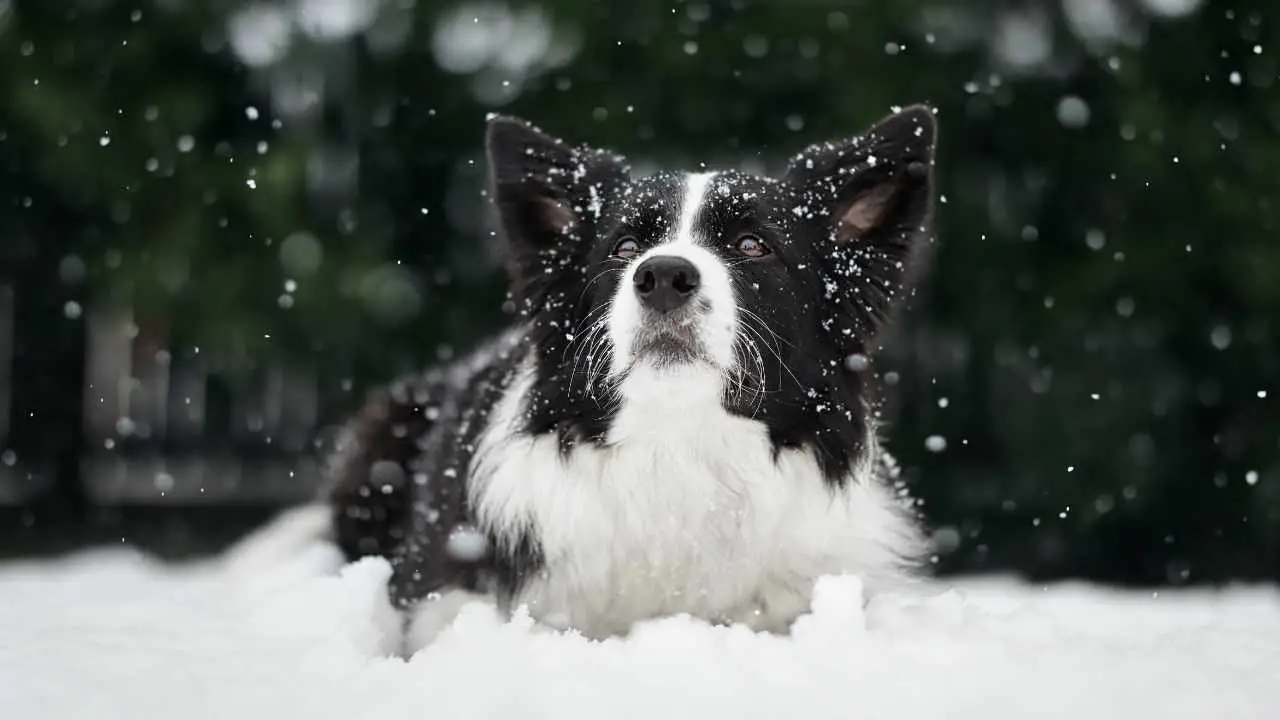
[(398, 474), (370, 493)]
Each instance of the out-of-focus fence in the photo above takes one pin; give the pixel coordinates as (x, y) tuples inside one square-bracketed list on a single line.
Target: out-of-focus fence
[(165, 434)]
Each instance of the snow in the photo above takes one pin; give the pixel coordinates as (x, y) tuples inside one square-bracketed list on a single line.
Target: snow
[(113, 634)]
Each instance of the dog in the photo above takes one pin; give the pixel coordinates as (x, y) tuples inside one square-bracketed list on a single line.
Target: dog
[(679, 419)]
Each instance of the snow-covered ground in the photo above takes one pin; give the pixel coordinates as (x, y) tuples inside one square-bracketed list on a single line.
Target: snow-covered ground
[(114, 635)]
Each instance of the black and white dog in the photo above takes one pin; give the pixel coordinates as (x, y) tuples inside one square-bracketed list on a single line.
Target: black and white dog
[(678, 422)]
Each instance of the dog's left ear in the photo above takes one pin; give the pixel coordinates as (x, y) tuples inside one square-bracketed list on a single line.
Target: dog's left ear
[(873, 197)]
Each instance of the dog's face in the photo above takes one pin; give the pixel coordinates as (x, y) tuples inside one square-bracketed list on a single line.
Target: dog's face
[(771, 283)]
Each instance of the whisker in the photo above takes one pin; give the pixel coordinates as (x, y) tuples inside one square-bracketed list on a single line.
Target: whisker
[(576, 335), (747, 351), (601, 274), (588, 344), (748, 316)]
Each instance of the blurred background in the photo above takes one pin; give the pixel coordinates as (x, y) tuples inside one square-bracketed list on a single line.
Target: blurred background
[(221, 222)]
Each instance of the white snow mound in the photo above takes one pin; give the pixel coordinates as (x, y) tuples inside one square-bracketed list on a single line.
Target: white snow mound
[(116, 635)]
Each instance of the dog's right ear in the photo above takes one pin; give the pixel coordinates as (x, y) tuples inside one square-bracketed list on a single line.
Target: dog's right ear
[(548, 194)]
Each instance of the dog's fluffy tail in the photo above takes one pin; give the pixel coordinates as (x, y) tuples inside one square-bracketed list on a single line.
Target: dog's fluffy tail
[(295, 533)]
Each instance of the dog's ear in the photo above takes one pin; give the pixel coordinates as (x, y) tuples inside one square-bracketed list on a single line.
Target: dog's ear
[(872, 197), (548, 194)]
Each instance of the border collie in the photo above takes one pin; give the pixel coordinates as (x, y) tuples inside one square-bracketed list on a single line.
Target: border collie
[(678, 422)]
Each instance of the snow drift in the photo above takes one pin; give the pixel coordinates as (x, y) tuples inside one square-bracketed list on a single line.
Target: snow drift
[(113, 634)]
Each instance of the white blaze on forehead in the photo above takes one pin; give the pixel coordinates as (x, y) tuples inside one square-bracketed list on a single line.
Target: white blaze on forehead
[(696, 186)]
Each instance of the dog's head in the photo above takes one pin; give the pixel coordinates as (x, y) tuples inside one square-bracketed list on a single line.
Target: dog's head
[(772, 284)]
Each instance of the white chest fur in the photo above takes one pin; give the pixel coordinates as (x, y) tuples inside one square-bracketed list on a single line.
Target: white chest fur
[(686, 510)]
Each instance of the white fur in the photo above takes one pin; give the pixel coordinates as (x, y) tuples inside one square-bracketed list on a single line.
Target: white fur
[(696, 187), (684, 510)]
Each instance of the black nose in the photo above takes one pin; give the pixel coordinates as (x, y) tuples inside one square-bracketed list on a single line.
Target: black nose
[(666, 282)]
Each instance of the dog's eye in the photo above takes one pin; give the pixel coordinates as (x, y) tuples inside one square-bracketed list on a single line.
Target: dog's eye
[(626, 248), (751, 246)]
